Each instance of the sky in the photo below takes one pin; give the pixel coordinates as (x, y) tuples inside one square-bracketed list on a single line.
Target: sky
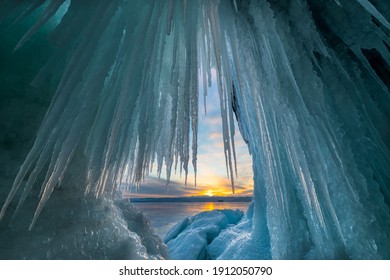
[(212, 177)]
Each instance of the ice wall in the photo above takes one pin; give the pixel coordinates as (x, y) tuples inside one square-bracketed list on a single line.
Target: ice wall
[(307, 80), (310, 110)]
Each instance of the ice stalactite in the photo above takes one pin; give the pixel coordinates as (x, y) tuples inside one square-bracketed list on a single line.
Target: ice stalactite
[(123, 95), (316, 131), (308, 86)]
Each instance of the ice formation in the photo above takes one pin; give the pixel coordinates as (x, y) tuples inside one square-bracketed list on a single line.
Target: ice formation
[(308, 82), (190, 238)]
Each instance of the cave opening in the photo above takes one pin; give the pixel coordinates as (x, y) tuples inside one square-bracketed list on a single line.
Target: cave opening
[(115, 89)]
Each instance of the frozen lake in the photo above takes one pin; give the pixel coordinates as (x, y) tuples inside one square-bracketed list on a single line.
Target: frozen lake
[(163, 215)]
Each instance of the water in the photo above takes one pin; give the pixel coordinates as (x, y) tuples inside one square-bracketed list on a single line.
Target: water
[(164, 215)]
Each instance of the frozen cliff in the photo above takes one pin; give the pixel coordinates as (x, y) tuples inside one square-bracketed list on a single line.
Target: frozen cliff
[(93, 93)]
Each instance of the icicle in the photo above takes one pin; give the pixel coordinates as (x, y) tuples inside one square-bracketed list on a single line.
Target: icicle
[(46, 15), (28, 11), (338, 3), (235, 5), (374, 12), (169, 16)]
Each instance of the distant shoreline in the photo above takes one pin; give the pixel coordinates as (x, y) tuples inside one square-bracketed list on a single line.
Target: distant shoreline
[(193, 199)]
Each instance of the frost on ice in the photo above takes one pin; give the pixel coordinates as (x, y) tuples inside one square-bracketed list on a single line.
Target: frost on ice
[(117, 88)]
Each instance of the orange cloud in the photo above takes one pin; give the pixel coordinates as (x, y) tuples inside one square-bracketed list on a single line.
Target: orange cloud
[(215, 136)]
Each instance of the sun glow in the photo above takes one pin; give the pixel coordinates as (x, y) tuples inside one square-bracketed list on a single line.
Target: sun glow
[(209, 193)]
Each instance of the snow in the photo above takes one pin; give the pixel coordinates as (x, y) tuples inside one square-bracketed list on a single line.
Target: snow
[(117, 89)]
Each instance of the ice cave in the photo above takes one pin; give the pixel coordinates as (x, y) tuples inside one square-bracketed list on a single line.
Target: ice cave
[(94, 92)]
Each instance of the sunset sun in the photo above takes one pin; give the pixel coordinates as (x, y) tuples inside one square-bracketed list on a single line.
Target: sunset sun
[(209, 193)]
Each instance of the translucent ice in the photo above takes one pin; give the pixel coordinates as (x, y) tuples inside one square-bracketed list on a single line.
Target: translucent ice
[(308, 82)]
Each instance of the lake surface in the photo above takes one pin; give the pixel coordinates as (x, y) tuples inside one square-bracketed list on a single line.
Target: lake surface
[(164, 215)]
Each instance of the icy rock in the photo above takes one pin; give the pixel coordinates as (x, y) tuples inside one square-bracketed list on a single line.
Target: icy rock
[(235, 242), (138, 223), (189, 238), (84, 229)]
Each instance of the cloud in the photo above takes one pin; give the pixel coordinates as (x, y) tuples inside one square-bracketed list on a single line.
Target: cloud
[(213, 121), (153, 187), (215, 136), (219, 186)]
